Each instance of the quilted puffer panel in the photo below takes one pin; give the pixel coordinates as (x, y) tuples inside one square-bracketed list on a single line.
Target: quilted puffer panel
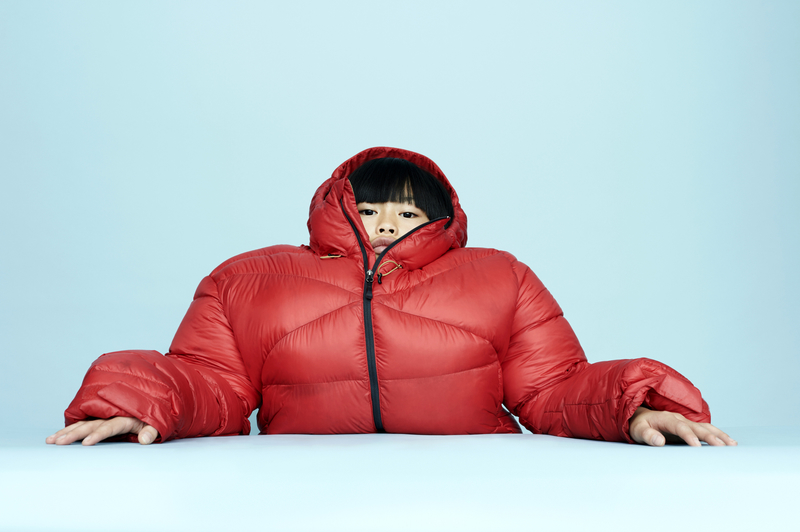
[(338, 407), (467, 402)]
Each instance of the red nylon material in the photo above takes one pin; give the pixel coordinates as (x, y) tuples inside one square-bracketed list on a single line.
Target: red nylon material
[(460, 333)]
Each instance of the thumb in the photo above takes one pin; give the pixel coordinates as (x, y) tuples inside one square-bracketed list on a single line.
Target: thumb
[(147, 435)]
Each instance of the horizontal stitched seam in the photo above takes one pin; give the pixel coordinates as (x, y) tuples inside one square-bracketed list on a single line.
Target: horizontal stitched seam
[(133, 375), (538, 323), (460, 264), (293, 276), (316, 383), (442, 375), (578, 404), (353, 291), (257, 254), (433, 320), (279, 340)]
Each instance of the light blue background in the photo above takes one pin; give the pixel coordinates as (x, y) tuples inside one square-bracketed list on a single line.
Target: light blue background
[(642, 158)]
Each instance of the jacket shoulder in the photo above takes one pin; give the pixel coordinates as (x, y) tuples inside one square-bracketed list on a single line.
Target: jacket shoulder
[(487, 263), (249, 258), (496, 262), (464, 255)]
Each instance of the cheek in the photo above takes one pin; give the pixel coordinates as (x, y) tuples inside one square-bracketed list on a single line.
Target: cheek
[(409, 224), (368, 222)]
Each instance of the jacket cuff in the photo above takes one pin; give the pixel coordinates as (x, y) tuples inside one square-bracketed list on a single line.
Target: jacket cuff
[(128, 384), (649, 383)]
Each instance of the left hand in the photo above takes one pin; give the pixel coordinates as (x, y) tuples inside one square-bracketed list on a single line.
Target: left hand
[(656, 428), (97, 430)]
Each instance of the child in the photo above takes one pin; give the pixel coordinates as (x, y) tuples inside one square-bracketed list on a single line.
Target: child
[(385, 322)]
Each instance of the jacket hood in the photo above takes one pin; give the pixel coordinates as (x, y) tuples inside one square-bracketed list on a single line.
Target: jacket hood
[(333, 218)]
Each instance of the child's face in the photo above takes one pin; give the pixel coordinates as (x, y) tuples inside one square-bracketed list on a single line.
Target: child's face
[(386, 222)]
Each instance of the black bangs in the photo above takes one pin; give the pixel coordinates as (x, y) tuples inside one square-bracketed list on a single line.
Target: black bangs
[(401, 181)]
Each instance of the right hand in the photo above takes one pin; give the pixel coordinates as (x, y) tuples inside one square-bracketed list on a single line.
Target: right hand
[(98, 430), (656, 428)]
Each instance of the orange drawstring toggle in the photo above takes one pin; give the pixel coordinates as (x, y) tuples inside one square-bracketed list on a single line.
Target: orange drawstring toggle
[(397, 265)]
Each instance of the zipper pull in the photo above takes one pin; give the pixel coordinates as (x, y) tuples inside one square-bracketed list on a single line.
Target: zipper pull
[(368, 290)]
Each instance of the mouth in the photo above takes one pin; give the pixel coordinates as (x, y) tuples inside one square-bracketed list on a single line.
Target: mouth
[(381, 243)]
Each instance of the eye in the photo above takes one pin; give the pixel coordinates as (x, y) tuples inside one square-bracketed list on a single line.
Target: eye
[(366, 212), (408, 215)]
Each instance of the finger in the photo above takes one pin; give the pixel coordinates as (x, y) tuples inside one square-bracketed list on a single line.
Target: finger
[(67, 430), (77, 432), (693, 433), (109, 428), (675, 428), (706, 435), (52, 438), (147, 435), (701, 431), (638, 426), (685, 432), (652, 437), (719, 435)]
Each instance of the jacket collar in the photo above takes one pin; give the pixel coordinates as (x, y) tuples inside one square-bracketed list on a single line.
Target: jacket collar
[(334, 202)]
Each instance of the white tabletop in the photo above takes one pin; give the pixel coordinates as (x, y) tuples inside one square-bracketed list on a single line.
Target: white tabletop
[(400, 482)]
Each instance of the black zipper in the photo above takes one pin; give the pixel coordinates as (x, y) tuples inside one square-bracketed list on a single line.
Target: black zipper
[(369, 333), (393, 244)]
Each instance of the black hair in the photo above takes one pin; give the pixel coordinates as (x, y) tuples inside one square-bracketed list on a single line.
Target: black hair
[(401, 181)]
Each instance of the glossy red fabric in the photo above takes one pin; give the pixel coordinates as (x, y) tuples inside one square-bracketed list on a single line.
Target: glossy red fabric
[(459, 333)]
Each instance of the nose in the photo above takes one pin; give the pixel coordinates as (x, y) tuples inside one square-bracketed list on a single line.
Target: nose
[(387, 226)]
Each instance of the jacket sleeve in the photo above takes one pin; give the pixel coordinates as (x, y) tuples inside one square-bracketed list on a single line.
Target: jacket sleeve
[(200, 388), (551, 387)]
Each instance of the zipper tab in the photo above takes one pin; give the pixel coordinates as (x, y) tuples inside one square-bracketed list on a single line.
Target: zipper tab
[(368, 286)]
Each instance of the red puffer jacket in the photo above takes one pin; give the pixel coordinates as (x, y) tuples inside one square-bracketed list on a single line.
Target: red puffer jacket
[(434, 340)]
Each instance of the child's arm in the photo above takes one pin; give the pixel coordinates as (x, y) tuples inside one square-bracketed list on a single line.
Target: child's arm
[(552, 388), (200, 388)]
